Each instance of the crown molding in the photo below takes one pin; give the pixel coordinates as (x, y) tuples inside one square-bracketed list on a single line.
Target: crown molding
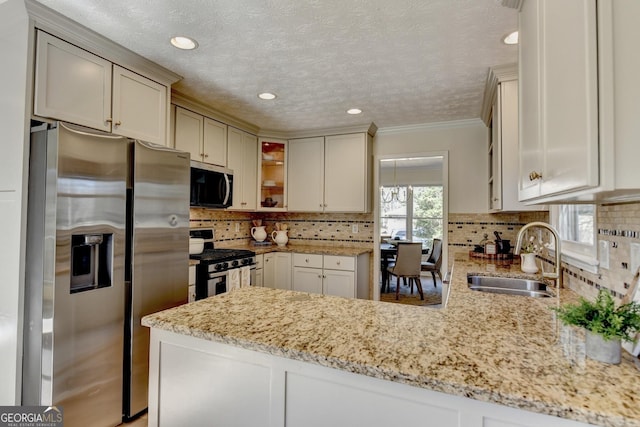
[(513, 4), (369, 128), (58, 25), (430, 126), (196, 106), (496, 75)]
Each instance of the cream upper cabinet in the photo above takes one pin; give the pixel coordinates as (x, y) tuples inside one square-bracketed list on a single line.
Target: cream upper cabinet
[(71, 84), (215, 142), (204, 138), (579, 85), (188, 130), (502, 87), (139, 107), (74, 85), (330, 174), (306, 175), (242, 158), (347, 178)]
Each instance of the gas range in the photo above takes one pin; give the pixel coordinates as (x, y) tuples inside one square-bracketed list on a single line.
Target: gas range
[(212, 273), (225, 259)]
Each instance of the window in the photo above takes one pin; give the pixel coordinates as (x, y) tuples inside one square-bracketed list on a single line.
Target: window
[(416, 216), (576, 225)]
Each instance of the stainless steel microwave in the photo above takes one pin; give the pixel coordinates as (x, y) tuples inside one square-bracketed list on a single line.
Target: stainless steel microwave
[(211, 186)]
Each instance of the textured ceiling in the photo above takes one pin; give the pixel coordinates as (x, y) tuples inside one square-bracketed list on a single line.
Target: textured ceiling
[(402, 62)]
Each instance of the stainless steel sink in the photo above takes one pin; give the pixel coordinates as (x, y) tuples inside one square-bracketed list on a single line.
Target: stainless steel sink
[(509, 286)]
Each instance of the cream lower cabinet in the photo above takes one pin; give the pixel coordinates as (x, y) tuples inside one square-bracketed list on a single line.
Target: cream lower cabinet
[(342, 276), (276, 271), (77, 86), (242, 158), (259, 276), (307, 273), (204, 138), (192, 283), (196, 382), (330, 174)]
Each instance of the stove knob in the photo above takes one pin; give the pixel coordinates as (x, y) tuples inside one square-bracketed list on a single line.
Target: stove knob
[(234, 263), (225, 265), (246, 261), (219, 267)]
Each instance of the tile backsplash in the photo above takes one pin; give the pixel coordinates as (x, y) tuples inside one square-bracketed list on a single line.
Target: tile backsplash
[(346, 229), (467, 230), (619, 225)]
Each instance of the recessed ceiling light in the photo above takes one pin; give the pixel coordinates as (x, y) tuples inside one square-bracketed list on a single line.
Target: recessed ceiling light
[(267, 95), (511, 38), (354, 111), (185, 43)]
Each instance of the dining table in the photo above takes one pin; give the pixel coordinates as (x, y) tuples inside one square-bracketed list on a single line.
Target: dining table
[(388, 253)]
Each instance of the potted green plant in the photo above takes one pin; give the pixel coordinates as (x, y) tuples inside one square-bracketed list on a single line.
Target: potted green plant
[(606, 324)]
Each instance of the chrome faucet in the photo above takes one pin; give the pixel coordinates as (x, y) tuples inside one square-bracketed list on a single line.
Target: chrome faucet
[(557, 274)]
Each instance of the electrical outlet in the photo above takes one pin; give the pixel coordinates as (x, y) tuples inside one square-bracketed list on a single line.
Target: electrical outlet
[(635, 257), (354, 228), (603, 256), (237, 227)]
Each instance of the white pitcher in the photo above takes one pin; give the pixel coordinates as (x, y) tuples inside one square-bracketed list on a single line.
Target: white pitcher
[(528, 263), (280, 237), (259, 233)]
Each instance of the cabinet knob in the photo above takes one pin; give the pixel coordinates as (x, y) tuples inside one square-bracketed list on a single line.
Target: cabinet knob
[(109, 120), (206, 155), (118, 123), (325, 205), (495, 199), (338, 263), (306, 260), (534, 175)]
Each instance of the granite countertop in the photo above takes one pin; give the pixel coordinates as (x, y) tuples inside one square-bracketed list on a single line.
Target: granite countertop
[(302, 248), (495, 348)]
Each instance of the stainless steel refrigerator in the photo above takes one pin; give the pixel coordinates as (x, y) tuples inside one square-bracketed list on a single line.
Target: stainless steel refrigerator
[(107, 243)]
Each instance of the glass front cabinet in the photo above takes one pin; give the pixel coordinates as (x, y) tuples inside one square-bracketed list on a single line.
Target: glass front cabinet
[(272, 175)]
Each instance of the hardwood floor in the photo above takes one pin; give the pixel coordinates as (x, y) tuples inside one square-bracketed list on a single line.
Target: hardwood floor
[(141, 421)]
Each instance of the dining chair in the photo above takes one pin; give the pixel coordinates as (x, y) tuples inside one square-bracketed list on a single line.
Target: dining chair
[(407, 266), (434, 263)]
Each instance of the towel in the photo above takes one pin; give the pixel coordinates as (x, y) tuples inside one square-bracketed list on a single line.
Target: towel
[(233, 279), (245, 276)]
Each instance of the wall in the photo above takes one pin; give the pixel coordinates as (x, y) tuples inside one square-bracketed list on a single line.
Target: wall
[(412, 176), (14, 39), (467, 143)]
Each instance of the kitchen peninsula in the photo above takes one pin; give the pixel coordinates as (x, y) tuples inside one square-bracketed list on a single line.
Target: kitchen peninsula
[(260, 356)]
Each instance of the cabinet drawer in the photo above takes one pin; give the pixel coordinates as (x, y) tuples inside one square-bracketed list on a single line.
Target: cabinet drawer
[(307, 260), (333, 262)]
